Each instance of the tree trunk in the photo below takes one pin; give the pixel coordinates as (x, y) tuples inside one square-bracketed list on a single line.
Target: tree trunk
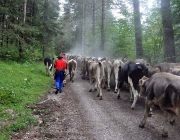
[(44, 30), (94, 17), (168, 34), (82, 30), (21, 51), (102, 26), (93, 26), (2, 35), (138, 30), (3, 22), (25, 3)]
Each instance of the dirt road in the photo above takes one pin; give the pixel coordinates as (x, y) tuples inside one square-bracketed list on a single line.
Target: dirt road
[(76, 114)]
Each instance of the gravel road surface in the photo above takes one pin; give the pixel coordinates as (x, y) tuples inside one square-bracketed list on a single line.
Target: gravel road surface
[(76, 114)]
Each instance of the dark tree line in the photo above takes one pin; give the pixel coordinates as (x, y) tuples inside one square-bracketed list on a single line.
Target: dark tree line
[(28, 27), (32, 29)]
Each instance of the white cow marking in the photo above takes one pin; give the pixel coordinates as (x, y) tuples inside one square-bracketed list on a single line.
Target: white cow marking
[(135, 93)]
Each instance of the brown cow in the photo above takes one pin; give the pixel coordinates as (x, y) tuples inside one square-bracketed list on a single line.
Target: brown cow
[(161, 89), (165, 67), (107, 71), (152, 70), (96, 75), (175, 70), (84, 68), (72, 64), (115, 69)]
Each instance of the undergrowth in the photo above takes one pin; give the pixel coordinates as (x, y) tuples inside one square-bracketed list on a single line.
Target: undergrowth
[(21, 83)]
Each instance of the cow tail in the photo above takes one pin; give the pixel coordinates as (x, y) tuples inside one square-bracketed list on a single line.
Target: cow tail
[(75, 65), (112, 71), (171, 96), (101, 68)]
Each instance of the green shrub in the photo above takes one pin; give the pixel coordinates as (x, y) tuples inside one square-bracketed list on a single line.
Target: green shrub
[(22, 83), (7, 96)]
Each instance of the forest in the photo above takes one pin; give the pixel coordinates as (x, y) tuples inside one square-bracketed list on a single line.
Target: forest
[(33, 29)]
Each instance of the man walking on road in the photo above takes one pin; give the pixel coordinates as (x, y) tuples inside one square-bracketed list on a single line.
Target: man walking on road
[(64, 57), (60, 66)]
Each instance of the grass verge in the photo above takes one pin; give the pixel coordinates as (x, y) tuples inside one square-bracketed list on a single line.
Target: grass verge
[(21, 84)]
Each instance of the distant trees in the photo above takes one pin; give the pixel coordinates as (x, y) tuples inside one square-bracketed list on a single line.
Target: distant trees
[(153, 49), (102, 26), (175, 8), (28, 28), (32, 29)]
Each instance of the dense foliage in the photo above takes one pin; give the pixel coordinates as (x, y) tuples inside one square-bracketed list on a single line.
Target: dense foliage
[(32, 29), (28, 32)]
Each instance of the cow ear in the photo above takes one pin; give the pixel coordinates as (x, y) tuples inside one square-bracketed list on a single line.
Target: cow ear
[(158, 70), (171, 70), (143, 80), (140, 82), (139, 67)]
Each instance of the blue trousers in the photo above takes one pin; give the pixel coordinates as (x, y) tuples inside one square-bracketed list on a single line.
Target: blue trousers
[(59, 80)]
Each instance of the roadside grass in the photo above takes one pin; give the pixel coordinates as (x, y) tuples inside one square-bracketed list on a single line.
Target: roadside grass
[(21, 84)]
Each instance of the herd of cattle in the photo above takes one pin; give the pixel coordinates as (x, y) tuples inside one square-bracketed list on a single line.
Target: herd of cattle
[(158, 84)]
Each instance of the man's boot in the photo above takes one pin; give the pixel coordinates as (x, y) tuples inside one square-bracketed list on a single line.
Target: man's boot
[(56, 92)]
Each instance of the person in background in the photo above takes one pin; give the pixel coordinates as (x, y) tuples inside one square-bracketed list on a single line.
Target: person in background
[(60, 66), (64, 57)]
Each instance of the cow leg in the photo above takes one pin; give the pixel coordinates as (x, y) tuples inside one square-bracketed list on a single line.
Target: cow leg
[(131, 94), (165, 125), (49, 73), (135, 93), (146, 113), (70, 76), (104, 84), (108, 79), (73, 76), (98, 89), (116, 83), (95, 85), (172, 119), (99, 84), (108, 89), (91, 84), (150, 113), (118, 94), (87, 74), (50, 67), (81, 72), (119, 88), (84, 73), (116, 80)]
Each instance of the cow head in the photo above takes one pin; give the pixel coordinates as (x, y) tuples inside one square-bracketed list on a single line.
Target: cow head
[(143, 69), (175, 71), (152, 70), (142, 86)]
